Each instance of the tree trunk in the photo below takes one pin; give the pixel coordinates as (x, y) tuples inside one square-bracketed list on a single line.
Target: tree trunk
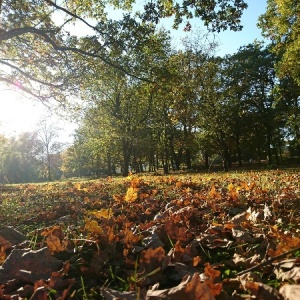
[(206, 160), (269, 150), (188, 160), (239, 151), (126, 156), (226, 160), (109, 166), (49, 166)]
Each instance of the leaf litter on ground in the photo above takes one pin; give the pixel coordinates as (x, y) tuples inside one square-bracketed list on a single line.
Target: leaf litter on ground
[(192, 236)]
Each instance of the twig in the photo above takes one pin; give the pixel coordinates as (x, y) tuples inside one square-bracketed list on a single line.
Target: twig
[(269, 261)]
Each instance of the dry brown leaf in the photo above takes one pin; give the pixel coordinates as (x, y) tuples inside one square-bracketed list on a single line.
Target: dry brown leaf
[(11, 235), (39, 263), (55, 244), (110, 294), (290, 292), (191, 288), (261, 291), (150, 266), (213, 193)]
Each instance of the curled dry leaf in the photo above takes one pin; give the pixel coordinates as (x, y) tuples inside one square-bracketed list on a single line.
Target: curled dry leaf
[(55, 239), (191, 288), (111, 294), (288, 270), (261, 291)]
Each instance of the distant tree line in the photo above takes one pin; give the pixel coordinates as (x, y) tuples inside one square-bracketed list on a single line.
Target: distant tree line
[(32, 156)]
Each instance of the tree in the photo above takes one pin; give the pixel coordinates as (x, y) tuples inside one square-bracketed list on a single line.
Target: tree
[(214, 112), (216, 15), (25, 153), (48, 134), (120, 105), (41, 57), (4, 151), (181, 110), (281, 24)]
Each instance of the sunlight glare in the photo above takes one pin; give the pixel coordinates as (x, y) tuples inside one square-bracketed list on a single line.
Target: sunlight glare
[(19, 114)]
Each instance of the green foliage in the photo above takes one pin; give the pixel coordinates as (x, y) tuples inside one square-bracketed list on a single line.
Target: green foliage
[(280, 23), (42, 57), (216, 15)]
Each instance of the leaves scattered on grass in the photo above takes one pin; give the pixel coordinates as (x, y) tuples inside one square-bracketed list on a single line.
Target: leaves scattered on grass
[(144, 237)]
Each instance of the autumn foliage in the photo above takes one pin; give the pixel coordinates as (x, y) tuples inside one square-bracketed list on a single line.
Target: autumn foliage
[(210, 236)]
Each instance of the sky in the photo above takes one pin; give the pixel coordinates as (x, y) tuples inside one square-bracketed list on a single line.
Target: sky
[(19, 114)]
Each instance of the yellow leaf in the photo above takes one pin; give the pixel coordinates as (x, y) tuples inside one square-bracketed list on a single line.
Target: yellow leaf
[(102, 213), (131, 195), (77, 185), (231, 187), (93, 226)]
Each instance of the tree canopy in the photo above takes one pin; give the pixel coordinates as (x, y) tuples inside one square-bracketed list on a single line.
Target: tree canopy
[(42, 57), (281, 24)]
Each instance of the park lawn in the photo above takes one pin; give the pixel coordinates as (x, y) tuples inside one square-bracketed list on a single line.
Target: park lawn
[(215, 235)]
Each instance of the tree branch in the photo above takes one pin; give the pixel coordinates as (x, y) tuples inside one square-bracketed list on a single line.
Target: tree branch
[(5, 35), (43, 99), (32, 78)]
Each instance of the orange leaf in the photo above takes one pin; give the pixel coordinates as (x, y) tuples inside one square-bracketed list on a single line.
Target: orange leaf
[(214, 194), (55, 244)]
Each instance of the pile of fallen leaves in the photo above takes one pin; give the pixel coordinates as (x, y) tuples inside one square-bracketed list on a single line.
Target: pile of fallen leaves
[(214, 236)]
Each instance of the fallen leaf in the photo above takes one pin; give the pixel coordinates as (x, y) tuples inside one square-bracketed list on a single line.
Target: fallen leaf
[(12, 235), (290, 291), (110, 294), (131, 194), (39, 263), (191, 288), (261, 291)]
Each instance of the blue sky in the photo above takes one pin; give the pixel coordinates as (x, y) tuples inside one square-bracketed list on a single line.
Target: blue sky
[(231, 41)]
